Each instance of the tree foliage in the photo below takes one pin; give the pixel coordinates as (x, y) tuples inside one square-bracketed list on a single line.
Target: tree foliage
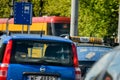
[(51, 7), (96, 17), (4, 8), (58, 8)]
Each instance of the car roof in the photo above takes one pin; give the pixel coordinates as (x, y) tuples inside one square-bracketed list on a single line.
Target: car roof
[(34, 37)]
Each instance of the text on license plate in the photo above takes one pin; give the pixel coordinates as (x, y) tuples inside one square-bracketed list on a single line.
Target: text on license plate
[(42, 78)]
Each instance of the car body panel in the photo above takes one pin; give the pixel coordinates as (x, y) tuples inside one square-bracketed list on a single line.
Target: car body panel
[(15, 71)]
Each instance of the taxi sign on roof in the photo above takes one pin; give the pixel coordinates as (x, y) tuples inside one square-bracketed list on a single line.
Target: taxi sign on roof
[(84, 39), (87, 39)]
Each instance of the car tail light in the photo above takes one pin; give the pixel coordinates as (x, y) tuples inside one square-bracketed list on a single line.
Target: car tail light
[(3, 70), (77, 73), (108, 78), (76, 64), (5, 62)]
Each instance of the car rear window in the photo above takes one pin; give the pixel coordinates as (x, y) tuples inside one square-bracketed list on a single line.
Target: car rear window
[(39, 52), (91, 53)]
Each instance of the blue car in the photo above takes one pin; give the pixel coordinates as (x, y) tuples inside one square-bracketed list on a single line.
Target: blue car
[(89, 54), (35, 57), (89, 51)]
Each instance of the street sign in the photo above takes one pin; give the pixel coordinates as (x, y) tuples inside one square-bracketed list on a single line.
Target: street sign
[(23, 13)]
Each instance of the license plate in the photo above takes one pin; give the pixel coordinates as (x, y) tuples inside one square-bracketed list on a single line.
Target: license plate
[(42, 77)]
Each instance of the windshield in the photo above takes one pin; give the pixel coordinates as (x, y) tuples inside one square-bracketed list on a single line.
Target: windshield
[(91, 53), (41, 52), (61, 28)]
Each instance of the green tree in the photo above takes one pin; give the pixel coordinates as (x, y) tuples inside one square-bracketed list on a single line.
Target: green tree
[(58, 8), (51, 7), (98, 17), (4, 8)]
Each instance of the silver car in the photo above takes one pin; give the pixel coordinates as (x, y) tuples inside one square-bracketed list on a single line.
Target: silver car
[(107, 68)]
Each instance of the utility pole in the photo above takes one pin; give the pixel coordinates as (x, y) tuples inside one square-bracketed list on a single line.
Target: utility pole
[(74, 18), (41, 7), (11, 16), (119, 26)]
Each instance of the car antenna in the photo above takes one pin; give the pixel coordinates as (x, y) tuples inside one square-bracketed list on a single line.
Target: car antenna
[(41, 34)]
